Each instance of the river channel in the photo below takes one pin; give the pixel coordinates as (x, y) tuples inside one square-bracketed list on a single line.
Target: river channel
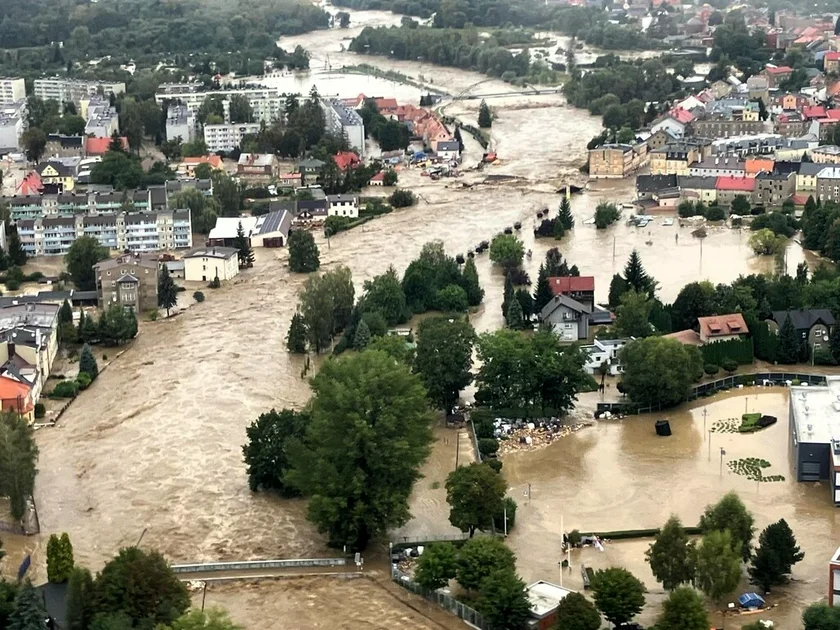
[(155, 443)]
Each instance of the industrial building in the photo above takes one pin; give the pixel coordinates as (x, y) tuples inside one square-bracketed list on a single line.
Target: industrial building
[(815, 433)]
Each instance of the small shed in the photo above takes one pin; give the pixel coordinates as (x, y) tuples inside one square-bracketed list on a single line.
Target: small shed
[(751, 600), (544, 598)]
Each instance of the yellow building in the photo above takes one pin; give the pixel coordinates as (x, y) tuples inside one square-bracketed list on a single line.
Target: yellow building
[(56, 173), (616, 160), (204, 265), (674, 159)]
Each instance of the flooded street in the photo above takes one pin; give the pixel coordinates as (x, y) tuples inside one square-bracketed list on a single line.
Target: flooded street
[(155, 443)]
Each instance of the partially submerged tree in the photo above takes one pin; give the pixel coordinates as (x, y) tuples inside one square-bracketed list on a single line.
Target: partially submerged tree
[(718, 564), (167, 291), (475, 494), (672, 556), (775, 556), (437, 565), (619, 595)]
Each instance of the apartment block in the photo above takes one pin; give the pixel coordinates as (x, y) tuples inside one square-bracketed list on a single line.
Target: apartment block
[(341, 119), (12, 124), (180, 123), (130, 280), (267, 104), (74, 90), (12, 90), (133, 231), (616, 160), (227, 136), (101, 119)]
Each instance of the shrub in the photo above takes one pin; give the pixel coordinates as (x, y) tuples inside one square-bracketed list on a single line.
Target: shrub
[(824, 357), (495, 464), (402, 198), (509, 506), (198, 296), (488, 446), (711, 369), (715, 213), (215, 283), (606, 213), (729, 365), (40, 410), (83, 380), (153, 315), (66, 389), (452, 298), (333, 225)]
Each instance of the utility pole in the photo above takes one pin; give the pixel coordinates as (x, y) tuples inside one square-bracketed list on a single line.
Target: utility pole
[(705, 413), (722, 453)]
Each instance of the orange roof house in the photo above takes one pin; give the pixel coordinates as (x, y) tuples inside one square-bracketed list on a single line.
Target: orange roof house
[(346, 159), (31, 184), (213, 160), (99, 146), (754, 166), (722, 327)]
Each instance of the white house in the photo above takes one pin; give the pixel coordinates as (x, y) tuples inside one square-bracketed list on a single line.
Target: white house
[(203, 265), (604, 351), (674, 122), (448, 150), (343, 206)]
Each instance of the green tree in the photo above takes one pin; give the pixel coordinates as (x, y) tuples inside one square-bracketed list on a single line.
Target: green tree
[(606, 213), (683, 610), (87, 362), (718, 564), (18, 456), (507, 251), (696, 299), (83, 254), (79, 599), (437, 565), (33, 141), (504, 601), (59, 558), (111, 621), (243, 248), (731, 513), (775, 556), (452, 299), (203, 210), (17, 255), (672, 556), (118, 169), (29, 613), (212, 105), (636, 277), (394, 346), (633, 315), (212, 619), (303, 252), (471, 284), (575, 612), (765, 243), (8, 593), (297, 335), (475, 494), (514, 318), (140, 585), (116, 325), (618, 594), (741, 205), (385, 295), (266, 452), (65, 313), (227, 193), (240, 109), (444, 359), (362, 336), (390, 178), (565, 216), (368, 435), (790, 346), (481, 557), (543, 293), (821, 617), (658, 370), (485, 118), (166, 289)]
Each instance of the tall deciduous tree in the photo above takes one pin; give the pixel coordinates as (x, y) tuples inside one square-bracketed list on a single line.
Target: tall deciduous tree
[(240, 109), (266, 452), (575, 612), (18, 455), (17, 255), (326, 304), (368, 435), (303, 252), (619, 595), (211, 619), (683, 610), (775, 556), (437, 565), (504, 601), (384, 294), (83, 254), (33, 141), (140, 585), (718, 564), (658, 370), (444, 359), (79, 599), (167, 291), (821, 617), (731, 514), (481, 557), (672, 556), (29, 613), (507, 251), (633, 315), (297, 335), (475, 494)]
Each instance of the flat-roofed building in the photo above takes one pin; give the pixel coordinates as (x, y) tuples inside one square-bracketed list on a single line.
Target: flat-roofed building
[(12, 89), (180, 123), (815, 434), (74, 90), (340, 119)]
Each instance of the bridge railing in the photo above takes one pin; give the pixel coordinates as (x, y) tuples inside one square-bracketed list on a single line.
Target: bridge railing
[(251, 565)]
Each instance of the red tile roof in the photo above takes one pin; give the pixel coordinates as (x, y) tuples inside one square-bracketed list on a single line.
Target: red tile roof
[(832, 114), (722, 325), (832, 56), (346, 159), (740, 184), (99, 146), (681, 115), (30, 185), (213, 160), (779, 69), (813, 111), (571, 284), (379, 177)]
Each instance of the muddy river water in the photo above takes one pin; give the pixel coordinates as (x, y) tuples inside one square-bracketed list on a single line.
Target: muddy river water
[(155, 443)]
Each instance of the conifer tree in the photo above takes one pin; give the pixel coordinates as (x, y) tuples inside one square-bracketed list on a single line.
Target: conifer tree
[(296, 337)]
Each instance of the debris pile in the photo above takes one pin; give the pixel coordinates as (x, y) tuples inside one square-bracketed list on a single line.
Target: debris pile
[(528, 435)]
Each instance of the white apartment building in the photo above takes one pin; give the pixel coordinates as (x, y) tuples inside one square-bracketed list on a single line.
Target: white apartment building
[(341, 119), (267, 103), (227, 136), (102, 119), (180, 123), (12, 90), (12, 124), (74, 90), (135, 231)]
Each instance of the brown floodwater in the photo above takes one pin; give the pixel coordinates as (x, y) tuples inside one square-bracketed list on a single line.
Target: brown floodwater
[(155, 443)]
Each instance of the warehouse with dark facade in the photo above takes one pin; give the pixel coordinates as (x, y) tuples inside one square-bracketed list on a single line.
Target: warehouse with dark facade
[(815, 433)]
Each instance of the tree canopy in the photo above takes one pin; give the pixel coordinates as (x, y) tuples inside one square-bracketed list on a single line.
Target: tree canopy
[(683, 610), (731, 514), (475, 494), (659, 371), (266, 452), (444, 359), (672, 556), (619, 595), (18, 457), (83, 254)]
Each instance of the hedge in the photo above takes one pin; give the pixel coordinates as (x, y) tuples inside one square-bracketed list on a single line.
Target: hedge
[(628, 534), (739, 350)]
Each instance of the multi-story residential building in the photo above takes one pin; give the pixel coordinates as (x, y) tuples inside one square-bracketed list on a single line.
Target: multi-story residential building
[(74, 90), (340, 119), (674, 158), (267, 104), (776, 75), (827, 154), (227, 136), (258, 167), (806, 177), (211, 262), (101, 119), (343, 205), (134, 231), (730, 187), (617, 160), (828, 183), (674, 122), (698, 188), (791, 125), (12, 90), (773, 189), (180, 123), (12, 123), (718, 126), (28, 344), (56, 172), (129, 280)]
